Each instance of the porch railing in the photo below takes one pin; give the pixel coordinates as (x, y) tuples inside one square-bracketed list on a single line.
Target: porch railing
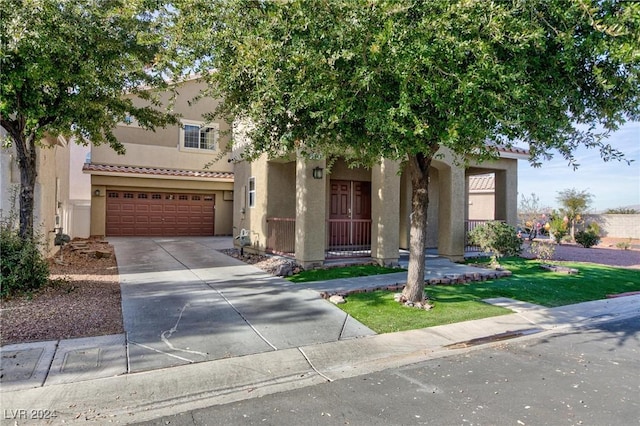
[(281, 235), (348, 238)]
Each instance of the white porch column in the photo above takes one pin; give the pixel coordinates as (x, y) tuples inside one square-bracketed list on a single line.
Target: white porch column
[(311, 211), (385, 213), (451, 214)]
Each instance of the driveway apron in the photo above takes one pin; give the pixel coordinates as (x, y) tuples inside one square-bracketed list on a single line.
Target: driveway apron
[(183, 301)]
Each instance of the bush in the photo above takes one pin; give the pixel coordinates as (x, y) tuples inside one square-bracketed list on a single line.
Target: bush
[(624, 245), (558, 229), (587, 238), (24, 268), (542, 250), (498, 238)]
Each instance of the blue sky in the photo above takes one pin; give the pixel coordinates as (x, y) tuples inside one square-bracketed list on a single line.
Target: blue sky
[(613, 184)]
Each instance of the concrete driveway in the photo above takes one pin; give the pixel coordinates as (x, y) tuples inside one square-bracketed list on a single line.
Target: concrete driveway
[(183, 301)]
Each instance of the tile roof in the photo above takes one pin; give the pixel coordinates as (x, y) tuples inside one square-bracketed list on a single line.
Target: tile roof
[(484, 182), (513, 150), (203, 174)]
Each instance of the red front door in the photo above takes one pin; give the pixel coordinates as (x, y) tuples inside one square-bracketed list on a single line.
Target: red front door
[(350, 213)]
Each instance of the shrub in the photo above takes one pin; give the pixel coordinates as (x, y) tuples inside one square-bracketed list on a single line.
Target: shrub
[(624, 245), (587, 238), (558, 228), (24, 268), (498, 238), (542, 250)]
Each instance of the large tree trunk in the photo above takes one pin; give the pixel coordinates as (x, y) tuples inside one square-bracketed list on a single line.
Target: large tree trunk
[(26, 150), (419, 173)]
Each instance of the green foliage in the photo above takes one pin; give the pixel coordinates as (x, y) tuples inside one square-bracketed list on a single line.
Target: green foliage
[(24, 269), (587, 238), (498, 238), (574, 204), (66, 68), (558, 228), (621, 210), (405, 80)]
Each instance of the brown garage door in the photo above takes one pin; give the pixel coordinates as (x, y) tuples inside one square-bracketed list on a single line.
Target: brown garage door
[(131, 213)]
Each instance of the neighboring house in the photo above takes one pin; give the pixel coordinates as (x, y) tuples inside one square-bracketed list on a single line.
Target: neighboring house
[(162, 186), (61, 196), (298, 207)]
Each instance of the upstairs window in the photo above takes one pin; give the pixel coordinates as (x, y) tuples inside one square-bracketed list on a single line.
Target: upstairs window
[(199, 136)]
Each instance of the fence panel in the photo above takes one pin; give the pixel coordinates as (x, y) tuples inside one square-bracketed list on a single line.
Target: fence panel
[(281, 235)]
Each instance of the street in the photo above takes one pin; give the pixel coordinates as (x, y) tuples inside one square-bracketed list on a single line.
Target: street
[(588, 376)]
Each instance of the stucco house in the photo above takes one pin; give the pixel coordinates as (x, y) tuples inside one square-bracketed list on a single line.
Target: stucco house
[(61, 194), (162, 186), (300, 208)]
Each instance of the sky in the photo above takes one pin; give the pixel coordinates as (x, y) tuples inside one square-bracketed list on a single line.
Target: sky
[(612, 184)]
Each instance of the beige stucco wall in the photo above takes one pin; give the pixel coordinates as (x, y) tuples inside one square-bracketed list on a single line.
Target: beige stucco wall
[(253, 219), (481, 206), (161, 148), (506, 187)]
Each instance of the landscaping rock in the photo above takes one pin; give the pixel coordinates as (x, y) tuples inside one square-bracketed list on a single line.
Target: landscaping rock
[(337, 299)]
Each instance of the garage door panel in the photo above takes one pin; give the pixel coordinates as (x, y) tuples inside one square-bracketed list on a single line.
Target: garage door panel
[(154, 214)]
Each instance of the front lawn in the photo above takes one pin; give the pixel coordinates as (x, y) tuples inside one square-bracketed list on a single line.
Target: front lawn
[(342, 272), (529, 283)]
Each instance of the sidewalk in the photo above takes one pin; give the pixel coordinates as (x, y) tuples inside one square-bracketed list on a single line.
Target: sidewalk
[(74, 390)]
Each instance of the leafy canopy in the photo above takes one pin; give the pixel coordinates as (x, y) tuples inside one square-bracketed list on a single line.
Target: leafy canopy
[(66, 67), (371, 79)]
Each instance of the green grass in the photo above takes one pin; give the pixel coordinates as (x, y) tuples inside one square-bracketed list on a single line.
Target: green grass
[(342, 272), (456, 303)]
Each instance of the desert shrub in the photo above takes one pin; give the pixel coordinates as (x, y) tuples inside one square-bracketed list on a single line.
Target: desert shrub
[(23, 266), (587, 238), (498, 238), (542, 250), (558, 228), (624, 245)]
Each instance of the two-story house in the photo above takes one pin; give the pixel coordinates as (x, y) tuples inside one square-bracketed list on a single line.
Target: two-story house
[(168, 183)]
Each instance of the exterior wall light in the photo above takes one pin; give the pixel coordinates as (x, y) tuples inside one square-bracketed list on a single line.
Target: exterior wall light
[(96, 192), (317, 173)]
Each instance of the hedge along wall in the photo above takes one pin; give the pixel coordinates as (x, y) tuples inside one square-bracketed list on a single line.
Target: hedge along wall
[(617, 225)]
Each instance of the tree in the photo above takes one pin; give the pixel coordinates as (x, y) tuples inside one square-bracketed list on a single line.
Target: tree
[(66, 67), (530, 215), (574, 204), (404, 79)]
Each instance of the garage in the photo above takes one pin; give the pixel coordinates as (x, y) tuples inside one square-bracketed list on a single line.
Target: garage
[(136, 213)]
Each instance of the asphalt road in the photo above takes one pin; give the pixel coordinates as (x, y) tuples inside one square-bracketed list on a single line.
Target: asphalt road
[(589, 376)]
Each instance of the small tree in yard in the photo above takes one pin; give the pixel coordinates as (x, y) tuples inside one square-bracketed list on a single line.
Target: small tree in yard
[(574, 204), (64, 70), (404, 80), (498, 238)]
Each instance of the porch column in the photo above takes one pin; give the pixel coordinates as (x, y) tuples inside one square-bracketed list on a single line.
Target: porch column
[(385, 213), (506, 195), (451, 215), (311, 206)]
